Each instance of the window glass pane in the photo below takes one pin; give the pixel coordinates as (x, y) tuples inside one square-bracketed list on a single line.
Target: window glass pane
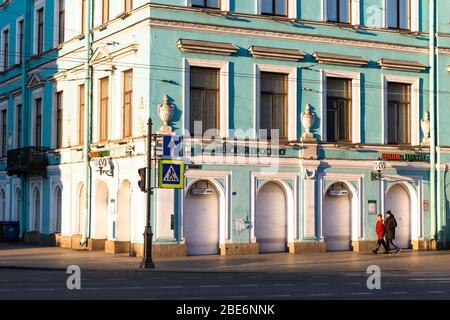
[(339, 88), (267, 6), (209, 111), (279, 114), (392, 13), (204, 78), (403, 124), (344, 120), (273, 82), (404, 14), (332, 120), (280, 7), (266, 111), (344, 11), (213, 3), (392, 123), (332, 10)]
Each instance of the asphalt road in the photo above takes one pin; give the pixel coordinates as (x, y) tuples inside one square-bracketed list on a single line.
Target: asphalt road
[(401, 284)]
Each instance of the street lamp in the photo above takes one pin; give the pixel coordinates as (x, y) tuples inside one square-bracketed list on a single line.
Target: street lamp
[(147, 261)]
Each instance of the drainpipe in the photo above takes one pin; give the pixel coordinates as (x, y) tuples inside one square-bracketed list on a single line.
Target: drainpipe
[(26, 112), (433, 140), (87, 125)]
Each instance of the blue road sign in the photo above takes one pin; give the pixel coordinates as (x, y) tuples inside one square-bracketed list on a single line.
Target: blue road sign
[(171, 174), (172, 146)]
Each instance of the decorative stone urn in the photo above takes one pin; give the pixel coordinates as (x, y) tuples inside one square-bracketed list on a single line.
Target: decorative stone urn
[(425, 125), (165, 112), (308, 119)]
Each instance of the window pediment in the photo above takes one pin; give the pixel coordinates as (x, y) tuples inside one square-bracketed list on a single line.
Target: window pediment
[(402, 65), (209, 47), (276, 53), (340, 59), (35, 81)]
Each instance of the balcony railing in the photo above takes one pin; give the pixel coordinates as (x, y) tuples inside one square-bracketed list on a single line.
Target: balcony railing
[(28, 160)]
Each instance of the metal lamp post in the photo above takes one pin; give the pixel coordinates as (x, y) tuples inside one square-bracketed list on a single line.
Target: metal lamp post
[(147, 261)]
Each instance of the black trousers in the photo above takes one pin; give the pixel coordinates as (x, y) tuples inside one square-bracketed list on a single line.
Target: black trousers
[(379, 243), (389, 242)]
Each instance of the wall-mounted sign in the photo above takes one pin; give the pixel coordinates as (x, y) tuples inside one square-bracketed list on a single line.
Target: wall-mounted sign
[(372, 206), (404, 157)]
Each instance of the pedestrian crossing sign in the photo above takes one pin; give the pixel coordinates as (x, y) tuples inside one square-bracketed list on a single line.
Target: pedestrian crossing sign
[(171, 174)]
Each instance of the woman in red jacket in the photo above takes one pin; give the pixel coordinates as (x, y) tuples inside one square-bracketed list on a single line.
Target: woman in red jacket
[(380, 233)]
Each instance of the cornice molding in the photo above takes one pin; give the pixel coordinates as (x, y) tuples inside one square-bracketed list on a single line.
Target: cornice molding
[(239, 31)]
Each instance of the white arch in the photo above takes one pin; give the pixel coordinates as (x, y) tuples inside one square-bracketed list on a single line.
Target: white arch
[(290, 207), (355, 205), (223, 214), (414, 205)]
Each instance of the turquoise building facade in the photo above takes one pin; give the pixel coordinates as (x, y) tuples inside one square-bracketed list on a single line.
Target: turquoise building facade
[(356, 85)]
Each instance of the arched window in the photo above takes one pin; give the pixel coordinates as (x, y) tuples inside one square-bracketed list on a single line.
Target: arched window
[(57, 208), (2, 205), (17, 205), (37, 209)]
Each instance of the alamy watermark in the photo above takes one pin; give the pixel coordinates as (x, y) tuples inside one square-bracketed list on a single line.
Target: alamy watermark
[(74, 280), (374, 280)]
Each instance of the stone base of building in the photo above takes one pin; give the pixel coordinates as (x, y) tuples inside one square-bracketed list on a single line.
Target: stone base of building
[(424, 245), (34, 237), (239, 249), (117, 246), (364, 246), (96, 244), (307, 247), (160, 250), (76, 242)]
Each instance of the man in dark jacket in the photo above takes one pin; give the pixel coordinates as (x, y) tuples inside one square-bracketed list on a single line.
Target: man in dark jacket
[(390, 224)]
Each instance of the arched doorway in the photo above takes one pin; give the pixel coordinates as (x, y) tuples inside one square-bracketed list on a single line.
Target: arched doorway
[(57, 207), (36, 210), (270, 218), (101, 211), (336, 217), (123, 211), (80, 217), (201, 219), (399, 202)]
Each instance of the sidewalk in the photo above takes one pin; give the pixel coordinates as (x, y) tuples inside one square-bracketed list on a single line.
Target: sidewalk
[(23, 256)]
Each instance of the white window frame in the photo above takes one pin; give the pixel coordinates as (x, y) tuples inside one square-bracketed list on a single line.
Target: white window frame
[(224, 4), (415, 106), (291, 8), (57, 87), (38, 4), (17, 101), (356, 102), (355, 5), (292, 74), (4, 106), (4, 54), (17, 37), (224, 88), (37, 93), (414, 18)]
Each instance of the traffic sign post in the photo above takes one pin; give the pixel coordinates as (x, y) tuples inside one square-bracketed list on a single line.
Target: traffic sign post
[(171, 174)]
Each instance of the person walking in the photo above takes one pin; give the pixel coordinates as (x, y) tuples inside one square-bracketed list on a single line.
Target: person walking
[(380, 230), (390, 224)]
